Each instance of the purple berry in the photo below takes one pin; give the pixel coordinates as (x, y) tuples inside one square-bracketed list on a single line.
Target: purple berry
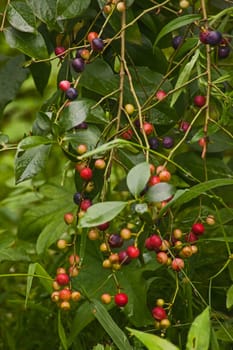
[(115, 241), (78, 65), (176, 41), (82, 126), (184, 125), (154, 143), (71, 93), (211, 37), (97, 44), (223, 51), (77, 198), (123, 257), (167, 142)]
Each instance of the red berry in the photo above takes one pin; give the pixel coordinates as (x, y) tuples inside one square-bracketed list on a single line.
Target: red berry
[(159, 313), (127, 135), (85, 204), (133, 252), (148, 128), (86, 174), (160, 95), (65, 294), (162, 258), (91, 36), (191, 237), (165, 176), (59, 50), (64, 85), (123, 257), (104, 226), (199, 100), (198, 228), (177, 264), (153, 180), (121, 299), (153, 242), (69, 218), (62, 279)]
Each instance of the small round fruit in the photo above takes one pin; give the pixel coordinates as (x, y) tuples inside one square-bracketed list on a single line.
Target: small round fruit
[(177, 233), (103, 247), (210, 220), (107, 264), (71, 93), (123, 257), (97, 44), (191, 237), (81, 149), (159, 313), (129, 108), (62, 279), (153, 242), (213, 38), (160, 302), (56, 286), (74, 259), (91, 36), (64, 85), (184, 126), (165, 323), (186, 251), (104, 226), (73, 271), (93, 234), (199, 100), (86, 174), (59, 50), (68, 218), (165, 245), (184, 4), (176, 41), (60, 270), (76, 296), (106, 298), (61, 244), (120, 6), (194, 249), (167, 142), (107, 9), (80, 166), (55, 296), (165, 176), (78, 65), (121, 299), (115, 241), (83, 53), (154, 180), (177, 264), (65, 294), (127, 135), (203, 36), (198, 228), (100, 164), (160, 95), (133, 252), (82, 126), (65, 305), (85, 204), (148, 128), (114, 258), (223, 51), (125, 233), (77, 197), (162, 258), (154, 143)]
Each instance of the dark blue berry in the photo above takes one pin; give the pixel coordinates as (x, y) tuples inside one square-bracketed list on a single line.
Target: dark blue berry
[(78, 65), (154, 143), (176, 41), (223, 51), (167, 142), (77, 197), (115, 241), (97, 44), (213, 37), (71, 93)]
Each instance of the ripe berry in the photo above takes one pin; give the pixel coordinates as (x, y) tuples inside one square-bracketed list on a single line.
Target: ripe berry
[(65, 294), (153, 242), (176, 41), (148, 128), (177, 264), (199, 100), (85, 204), (83, 53), (167, 142), (165, 176), (61, 244), (106, 298), (86, 174), (198, 228), (68, 218), (184, 126), (104, 226), (127, 135), (77, 198), (71, 93), (129, 108), (154, 143), (64, 85), (223, 51), (97, 44), (91, 36), (115, 241), (160, 95), (191, 237), (133, 252), (82, 126), (123, 257), (153, 180), (162, 258), (213, 38), (62, 279), (59, 50), (81, 149), (78, 65), (159, 313), (121, 299)]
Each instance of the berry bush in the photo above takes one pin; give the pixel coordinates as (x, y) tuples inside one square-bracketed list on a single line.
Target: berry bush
[(116, 141)]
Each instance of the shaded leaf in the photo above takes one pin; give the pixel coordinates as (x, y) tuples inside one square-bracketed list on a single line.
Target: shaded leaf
[(21, 17), (72, 9), (33, 141), (45, 10), (13, 254), (137, 178), (229, 301), (199, 332), (61, 332), (160, 192), (40, 73)]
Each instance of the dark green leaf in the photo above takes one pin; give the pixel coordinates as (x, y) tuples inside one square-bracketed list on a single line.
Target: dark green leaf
[(72, 9), (32, 45), (45, 10), (118, 336), (137, 178), (160, 192), (21, 17), (40, 73), (101, 212), (33, 141), (229, 301), (42, 125), (199, 333), (61, 332)]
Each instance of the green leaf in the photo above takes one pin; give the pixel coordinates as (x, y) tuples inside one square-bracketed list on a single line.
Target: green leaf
[(137, 178), (106, 147), (160, 192), (21, 17), (42, 124), (10, 87), (30, 162), (118, 336), (46, 11), (71, 9), (199, 332), (90, 137), (176, 24), (40, 73), (101, 212), (78, 111), (184, 77), (151, 341), (229, 301), (33, 141), (13, 254), (61, 332), (32, 45)]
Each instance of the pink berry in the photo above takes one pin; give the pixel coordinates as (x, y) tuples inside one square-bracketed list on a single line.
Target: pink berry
[(160, 95), (199, 100), (159, 313), (64, 85), (177, 264)]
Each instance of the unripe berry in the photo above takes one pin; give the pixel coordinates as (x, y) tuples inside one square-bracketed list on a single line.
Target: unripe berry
[(121, 299), (68, 218), (74, 259), (91, 36), (186, 252), (184, 4), (61, 244), (114, 258), (160, 302), (60, 270), (103, 247), (81, 149), (160, 95), (177, 233), (76, 296), (210, 220), (93, 234), (162, 258), (65, 305), (165, 323), (65, 294), (159, 313), (177, 264), (107, 264), (125, 233), (106, 298), (129, 108), (55, 296), (165, 176), (73, 271), (121, 6), (100, 164)]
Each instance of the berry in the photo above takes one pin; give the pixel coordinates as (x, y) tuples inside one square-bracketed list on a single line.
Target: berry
[(91, 36), (191, 237), (65, 294), (159, 313), (86, 174), (78, 65), (59, 50), (114, 258), (71, 93), (160, 95), (107, 264), (115, 241), (121, 299), (61, 244), (186, 251), (60, 270), (74, 259), (121, 6), (210, 220), (104, 226), (82, 126), (103, 247), (62, 279), (81, 149), (199, 100), (177, 233), (165, 176), (162, 258), (177, 264), (165, 323), (97, 44), (100, 164), (184, 4), (69, 218), (129, 108), (85, 204), (83, 53), (167, 142), (154, 143), (160, 302), (106, 298), (65, 305), (123, 257), (154, 180), (198, 228), (213, 38), (148, 128), (125, 233), (223, 51), (184, 125), (133, 252), (176, 41), (75, 296), (77, 198), (80, 166), (55, 296), (93, 234), (127, 135), (153, 242), (73, 271), (64, 85)]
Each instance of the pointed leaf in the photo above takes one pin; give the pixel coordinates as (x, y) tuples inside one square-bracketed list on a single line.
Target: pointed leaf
[(160, 192), (101, 212), (138, 177), (229, 301), (61, 332), (21, 17), (118, 336), (151, 341), (199, 333), (33, 141), (71, 9)]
